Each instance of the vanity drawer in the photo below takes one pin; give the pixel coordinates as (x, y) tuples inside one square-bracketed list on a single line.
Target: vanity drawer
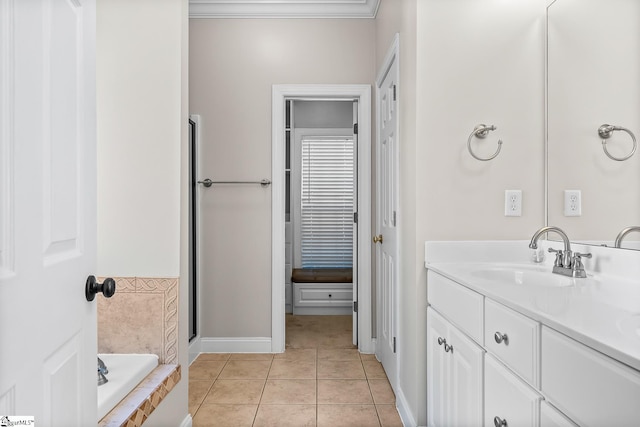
[(591, 388), (551, 417), (461, 306), (520, 348), (507, 398)]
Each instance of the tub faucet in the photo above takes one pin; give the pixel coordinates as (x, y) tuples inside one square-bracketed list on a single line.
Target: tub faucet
[(566, 263), (102, 371), (623, 233)]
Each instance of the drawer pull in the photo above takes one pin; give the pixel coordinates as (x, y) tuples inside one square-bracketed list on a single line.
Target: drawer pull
[(498, 422), (448, 348), (329, 295), (500, 338), (441, 341)]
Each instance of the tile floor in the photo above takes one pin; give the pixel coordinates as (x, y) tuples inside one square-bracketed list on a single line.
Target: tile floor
[(320, 380)]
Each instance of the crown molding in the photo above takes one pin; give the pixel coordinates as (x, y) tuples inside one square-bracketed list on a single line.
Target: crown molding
[(283, 8)]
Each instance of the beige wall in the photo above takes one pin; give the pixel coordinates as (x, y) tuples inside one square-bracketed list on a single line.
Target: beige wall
[(233, 65), (462, 63), (141, 121)]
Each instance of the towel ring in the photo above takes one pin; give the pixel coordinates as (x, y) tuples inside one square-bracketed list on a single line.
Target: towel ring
[(481, 131), (605, 132)]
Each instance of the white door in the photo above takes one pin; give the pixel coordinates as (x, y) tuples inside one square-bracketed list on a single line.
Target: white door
[(47, 211), (387, 202)]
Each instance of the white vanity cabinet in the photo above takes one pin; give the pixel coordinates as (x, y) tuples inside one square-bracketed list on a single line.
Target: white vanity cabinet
[(509, 401), (508, 369), (591, 388), (455, 366)]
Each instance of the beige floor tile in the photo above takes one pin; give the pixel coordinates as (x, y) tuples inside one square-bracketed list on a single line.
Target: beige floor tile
[(292, 369), (289, 392), (251, 356), (382, 392), (205, 370), (374, 370), (236, 392), (368, 357), (245, 369), (213, 357), (286, 416), (347, 416), (309, 354), (388, 415), (330, 369), (338, 354), (344, 391), (225, 416), (197, 391)]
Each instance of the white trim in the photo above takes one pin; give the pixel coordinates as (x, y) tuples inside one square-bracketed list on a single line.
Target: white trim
[(283, 8), (279, 94), (195, 348), (187, 422), (236, 345), (404, 410)]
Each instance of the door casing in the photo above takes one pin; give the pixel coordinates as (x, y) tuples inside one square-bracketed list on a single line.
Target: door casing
[(279, 95)]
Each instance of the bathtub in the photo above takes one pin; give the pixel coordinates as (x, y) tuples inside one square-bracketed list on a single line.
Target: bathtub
[(125, 373)]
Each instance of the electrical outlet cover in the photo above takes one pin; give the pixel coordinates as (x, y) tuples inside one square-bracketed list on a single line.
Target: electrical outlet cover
[(513, 203), (572, 203)]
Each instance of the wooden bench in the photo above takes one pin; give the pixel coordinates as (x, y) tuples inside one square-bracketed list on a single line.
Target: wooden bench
[(322, 291)]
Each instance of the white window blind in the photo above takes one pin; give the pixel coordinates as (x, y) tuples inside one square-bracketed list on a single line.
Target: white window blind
[(327, 202)]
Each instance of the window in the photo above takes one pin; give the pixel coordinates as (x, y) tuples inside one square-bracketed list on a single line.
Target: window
[(327, 201)]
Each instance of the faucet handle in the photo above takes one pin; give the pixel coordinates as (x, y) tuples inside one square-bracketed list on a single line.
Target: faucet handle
[(578, 267), (558, 252)]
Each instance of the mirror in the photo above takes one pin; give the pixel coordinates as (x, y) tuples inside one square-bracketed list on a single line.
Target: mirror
[(593, 78)]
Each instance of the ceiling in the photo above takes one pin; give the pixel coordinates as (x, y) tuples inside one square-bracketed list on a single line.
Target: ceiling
[(283, 8)]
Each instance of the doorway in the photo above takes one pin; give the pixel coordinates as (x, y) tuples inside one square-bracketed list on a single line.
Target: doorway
[(362, 256)]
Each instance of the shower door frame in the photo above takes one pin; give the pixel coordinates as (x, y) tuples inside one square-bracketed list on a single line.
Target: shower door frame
[(280, 93)]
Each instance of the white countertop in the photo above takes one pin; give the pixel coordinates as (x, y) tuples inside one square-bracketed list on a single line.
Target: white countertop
[(601, 311)]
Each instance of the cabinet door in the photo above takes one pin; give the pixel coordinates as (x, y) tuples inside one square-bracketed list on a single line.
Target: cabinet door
[(465, 380), (509, 401), (437, 396)]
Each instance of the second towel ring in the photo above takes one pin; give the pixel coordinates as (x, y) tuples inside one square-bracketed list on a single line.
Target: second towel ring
[(481, 131), (605, 132)]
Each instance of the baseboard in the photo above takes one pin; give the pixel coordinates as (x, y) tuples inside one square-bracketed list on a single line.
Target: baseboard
[(236, 345), (195, 348), (407, 418), (187, 422)]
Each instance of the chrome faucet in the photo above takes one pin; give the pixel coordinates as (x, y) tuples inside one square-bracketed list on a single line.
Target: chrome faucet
[(102, 371), (623, 233), (566, 263)]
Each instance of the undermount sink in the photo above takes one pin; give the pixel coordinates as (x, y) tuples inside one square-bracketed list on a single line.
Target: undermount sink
[(523, 276)]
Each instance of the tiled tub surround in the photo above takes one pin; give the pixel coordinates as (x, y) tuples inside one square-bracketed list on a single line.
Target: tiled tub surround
[(141, 318), (583, 334)]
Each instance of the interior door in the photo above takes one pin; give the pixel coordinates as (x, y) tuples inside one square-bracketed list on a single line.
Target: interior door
[(354, 272), (386, 203), (47, 211)]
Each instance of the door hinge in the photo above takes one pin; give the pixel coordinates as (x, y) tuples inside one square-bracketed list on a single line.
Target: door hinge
[(394, 218), (394, 93), (394, 344), (355, 306), (355, 217), (355, 128)]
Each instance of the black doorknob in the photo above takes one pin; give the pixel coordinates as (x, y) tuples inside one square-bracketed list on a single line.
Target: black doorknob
[(92, 287)]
